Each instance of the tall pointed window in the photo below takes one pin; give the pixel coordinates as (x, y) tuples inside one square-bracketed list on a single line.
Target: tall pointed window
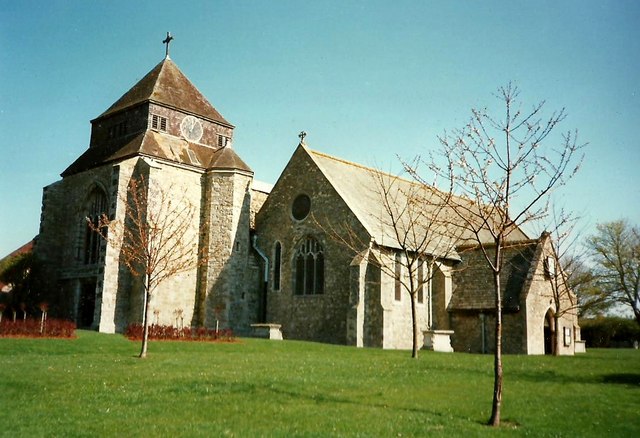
[(422, 279), (309, 268), (95, 206), (398, 278), (277, 262)]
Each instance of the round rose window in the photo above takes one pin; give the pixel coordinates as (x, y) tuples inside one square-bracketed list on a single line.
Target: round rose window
[(301, 207)]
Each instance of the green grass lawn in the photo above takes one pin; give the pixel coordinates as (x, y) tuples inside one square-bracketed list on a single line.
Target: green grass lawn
[(96, 386)]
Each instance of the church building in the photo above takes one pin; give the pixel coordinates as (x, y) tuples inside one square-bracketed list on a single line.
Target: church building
[(269, 254)]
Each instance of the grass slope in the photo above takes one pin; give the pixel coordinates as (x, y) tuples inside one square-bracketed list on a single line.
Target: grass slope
[(95, 386)]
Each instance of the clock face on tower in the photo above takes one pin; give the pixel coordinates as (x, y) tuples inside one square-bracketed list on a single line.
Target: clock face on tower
[(191, 128)]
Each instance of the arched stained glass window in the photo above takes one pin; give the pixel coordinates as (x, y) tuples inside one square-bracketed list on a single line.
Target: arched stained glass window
[(95, 206), (309, 268)]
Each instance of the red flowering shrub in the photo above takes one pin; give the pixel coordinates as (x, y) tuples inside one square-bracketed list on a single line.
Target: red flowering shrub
[(34, 328), (169, 333)]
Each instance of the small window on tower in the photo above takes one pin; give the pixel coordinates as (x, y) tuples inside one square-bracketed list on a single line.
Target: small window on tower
[(222, 141), (158, 122)]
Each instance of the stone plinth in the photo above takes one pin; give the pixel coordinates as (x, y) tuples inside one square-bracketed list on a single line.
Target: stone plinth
[(269, 331), (580, 347), (438, 340)]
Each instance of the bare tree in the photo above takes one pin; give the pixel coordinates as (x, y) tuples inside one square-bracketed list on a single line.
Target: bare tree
[(616, 254), (411, 220), (155, 239), (504, 177)]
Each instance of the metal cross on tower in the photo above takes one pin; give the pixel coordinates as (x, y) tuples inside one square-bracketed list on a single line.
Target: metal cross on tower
[(166, 41), (302, 135)]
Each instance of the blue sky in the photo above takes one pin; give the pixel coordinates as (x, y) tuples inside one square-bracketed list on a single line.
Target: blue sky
[(365, 79)]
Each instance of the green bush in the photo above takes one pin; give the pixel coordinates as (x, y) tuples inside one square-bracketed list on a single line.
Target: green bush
[(610, 332)]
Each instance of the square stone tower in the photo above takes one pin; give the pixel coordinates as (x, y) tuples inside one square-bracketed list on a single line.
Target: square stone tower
[(162, 130)]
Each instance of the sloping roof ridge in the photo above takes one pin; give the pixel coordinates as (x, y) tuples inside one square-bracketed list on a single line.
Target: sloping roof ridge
[(121, 103), (368, 168), (413, 183), (336, 187), (533, 263)]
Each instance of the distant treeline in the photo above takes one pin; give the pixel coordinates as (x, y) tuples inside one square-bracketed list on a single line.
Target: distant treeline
[(610, 332)]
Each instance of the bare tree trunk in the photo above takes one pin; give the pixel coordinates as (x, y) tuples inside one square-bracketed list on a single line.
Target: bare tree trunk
[(554, 333), (497, 363), (145, 320), (414, 352), (145, 327)]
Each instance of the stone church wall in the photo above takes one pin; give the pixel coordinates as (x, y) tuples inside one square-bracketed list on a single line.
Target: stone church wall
[(468, 332), (174, 299), (398, 323), (60, 244), (310, 317), (231, 277)]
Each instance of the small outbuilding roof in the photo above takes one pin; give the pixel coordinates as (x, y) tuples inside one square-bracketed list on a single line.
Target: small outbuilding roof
[(474, 280)]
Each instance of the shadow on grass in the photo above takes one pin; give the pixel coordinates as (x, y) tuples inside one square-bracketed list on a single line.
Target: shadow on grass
[(550, 376), (227, 387), (320, 397), (622, 379)]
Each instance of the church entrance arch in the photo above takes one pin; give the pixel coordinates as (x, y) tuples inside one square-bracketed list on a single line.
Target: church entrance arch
[(549, 332)]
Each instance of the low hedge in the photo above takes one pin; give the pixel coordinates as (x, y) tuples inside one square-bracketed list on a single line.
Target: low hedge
[(36, 328), (168, 333)]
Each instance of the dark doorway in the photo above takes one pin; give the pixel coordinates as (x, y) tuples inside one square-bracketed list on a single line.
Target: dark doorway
[(87, 305), (548, 333)]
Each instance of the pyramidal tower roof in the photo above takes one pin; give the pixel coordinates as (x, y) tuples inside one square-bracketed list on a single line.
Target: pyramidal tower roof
[(167, 85)]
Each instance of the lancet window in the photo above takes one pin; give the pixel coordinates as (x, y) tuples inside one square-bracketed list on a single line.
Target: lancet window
[(277, 262), (309, 268), (96, 205)]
